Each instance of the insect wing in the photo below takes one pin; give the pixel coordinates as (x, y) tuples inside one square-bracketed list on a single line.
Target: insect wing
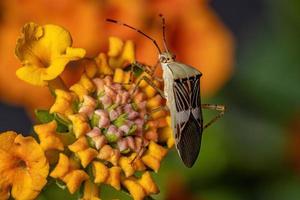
[(188, 115)]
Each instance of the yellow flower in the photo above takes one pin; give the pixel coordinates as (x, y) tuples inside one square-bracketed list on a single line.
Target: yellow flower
[(62, 167), (83, 87), (63, 102), (49, 140), (90, 191), (80, 124), (114, 177), (44, 52), (72, 176), (109, 154), (153, 156), (139, 188), (120, 53), (166, 134), (83, 151), (103, 174), (74, 179), (100, 172), (120, 76), (23, 166), (102, 64)]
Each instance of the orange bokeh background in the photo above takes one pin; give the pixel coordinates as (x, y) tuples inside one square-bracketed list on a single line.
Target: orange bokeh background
[(197, 37)]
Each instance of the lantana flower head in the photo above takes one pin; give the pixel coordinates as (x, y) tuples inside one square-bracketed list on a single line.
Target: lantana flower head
[(103, 129)]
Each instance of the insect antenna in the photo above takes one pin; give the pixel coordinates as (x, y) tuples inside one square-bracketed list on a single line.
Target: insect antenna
[(164, 31), (135, 29)]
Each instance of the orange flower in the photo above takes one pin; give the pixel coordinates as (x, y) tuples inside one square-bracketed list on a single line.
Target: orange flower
[(23, 166)]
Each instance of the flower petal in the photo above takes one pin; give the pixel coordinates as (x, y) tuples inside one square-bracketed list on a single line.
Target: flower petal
[(58, 64), (23, 187), (32, 75), (49, 140), (74, 179), (100, 172), (7, 140), (61, 168), (90, 191)]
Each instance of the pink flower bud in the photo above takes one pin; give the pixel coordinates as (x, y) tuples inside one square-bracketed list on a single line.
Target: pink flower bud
[(113, 114), (104, 119), (99, 84), (140, 123), (122, 144), (94, 132), (132, 115), (109, 91), (130, 142), (138, 143), (118, 100), (100, 141), (106, 101), (108, 80), (112, 129), (116, 87), (128, 108), (88, 106), (119, 133), (125, 128), (125, 97)]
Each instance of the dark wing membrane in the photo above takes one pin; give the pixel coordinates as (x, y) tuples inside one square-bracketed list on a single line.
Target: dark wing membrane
[(189, 142), (188, 117)]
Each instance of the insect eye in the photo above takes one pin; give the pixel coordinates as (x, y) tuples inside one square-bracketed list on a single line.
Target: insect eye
[(163, 59)]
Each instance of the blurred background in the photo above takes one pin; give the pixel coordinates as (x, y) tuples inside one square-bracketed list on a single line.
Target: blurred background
[(248, 52)]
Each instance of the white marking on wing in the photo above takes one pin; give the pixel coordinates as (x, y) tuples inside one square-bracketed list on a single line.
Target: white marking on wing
[(183, 116), (196, 112)]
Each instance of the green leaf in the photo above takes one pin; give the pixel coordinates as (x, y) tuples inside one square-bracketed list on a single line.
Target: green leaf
[(43, 116), (63, 123)]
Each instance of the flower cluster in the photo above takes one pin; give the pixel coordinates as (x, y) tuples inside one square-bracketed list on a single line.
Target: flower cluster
[(107, 128)]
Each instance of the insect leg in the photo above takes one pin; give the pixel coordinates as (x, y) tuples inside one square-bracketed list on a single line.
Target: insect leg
[(151, 83), (217, 107)]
